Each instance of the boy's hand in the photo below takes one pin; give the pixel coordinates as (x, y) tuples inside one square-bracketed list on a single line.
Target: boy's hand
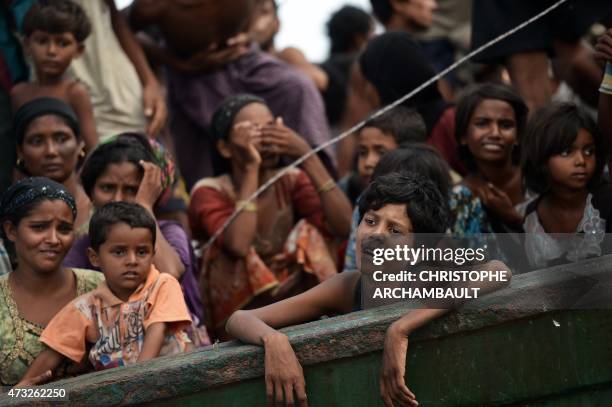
[(603, 49), (392, 383), (151, 185), (246, 139), (280, 139), (154, 108), (284, 374), (37, 380)]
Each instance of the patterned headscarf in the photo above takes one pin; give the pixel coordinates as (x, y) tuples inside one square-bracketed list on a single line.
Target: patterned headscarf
[(28, 190), (223, 119), (159, 156)]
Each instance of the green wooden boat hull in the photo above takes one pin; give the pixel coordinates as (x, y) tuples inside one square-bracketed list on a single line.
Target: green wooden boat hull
[(513, 347)]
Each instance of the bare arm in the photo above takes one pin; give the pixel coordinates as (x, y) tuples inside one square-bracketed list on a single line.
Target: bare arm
[(146, 12), (295, 57), (40, 370), (166, 259), (153, 341), (334, 295), (81, 103), (153, 101), (280, 139), (240, 234), (284, 374), (336, 205), (392, 377), (18, 95), (130, 45)]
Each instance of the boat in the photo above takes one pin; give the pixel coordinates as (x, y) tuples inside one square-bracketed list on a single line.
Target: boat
[(545, 340)]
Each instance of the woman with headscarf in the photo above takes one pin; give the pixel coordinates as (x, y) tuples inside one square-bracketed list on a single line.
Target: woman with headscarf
[(278, 245), (393, 65), (132, 168), (49, 145), (37, 217)]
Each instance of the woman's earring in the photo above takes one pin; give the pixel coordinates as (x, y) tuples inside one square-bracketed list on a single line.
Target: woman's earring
[(82, 154), (19, 162)]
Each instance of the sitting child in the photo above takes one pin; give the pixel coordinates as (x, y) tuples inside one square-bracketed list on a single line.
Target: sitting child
[(137, 314), (401, 205), (278, 245), (419, 158), (384, 133), (563, 158), (55, 31)]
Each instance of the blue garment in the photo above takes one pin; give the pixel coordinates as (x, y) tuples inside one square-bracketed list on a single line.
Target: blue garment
[(350, 257), (11, 17), (470, 216)]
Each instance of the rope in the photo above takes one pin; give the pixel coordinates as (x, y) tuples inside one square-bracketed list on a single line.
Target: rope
[(380, 112)]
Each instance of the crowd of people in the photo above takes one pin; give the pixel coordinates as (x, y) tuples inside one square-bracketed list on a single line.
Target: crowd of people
[(130, 137)]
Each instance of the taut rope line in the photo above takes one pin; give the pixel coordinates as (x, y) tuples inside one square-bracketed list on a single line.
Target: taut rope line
[(378, 113)]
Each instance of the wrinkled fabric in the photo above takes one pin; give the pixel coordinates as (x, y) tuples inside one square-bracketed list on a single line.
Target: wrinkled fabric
[(193, 100)]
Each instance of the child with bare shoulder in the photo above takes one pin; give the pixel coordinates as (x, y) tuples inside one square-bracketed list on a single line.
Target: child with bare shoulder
[(55, 31), (399, 204)]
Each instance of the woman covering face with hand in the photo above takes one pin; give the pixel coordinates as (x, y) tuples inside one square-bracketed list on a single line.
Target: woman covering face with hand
[(37, 217)]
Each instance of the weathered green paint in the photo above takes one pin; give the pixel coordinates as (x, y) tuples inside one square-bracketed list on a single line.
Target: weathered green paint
[(526, 360), (471, 357)]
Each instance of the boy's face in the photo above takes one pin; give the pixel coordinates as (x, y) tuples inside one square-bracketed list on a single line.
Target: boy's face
[(372, 144), (52, 53), (381, 227), (125, 258)]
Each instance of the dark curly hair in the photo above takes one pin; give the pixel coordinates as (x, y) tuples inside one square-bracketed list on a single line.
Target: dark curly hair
[(56, 17), (132, 214), (426, 208), (127, 147)]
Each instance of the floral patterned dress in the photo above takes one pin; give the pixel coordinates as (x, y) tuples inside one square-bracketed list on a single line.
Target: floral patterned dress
[(19, 338)]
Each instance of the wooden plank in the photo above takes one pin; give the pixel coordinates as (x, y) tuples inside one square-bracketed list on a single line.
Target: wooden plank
[(505, 330)]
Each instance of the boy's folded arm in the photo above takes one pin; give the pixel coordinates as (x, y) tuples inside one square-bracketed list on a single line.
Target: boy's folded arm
[(41, 368), (153, 341)]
